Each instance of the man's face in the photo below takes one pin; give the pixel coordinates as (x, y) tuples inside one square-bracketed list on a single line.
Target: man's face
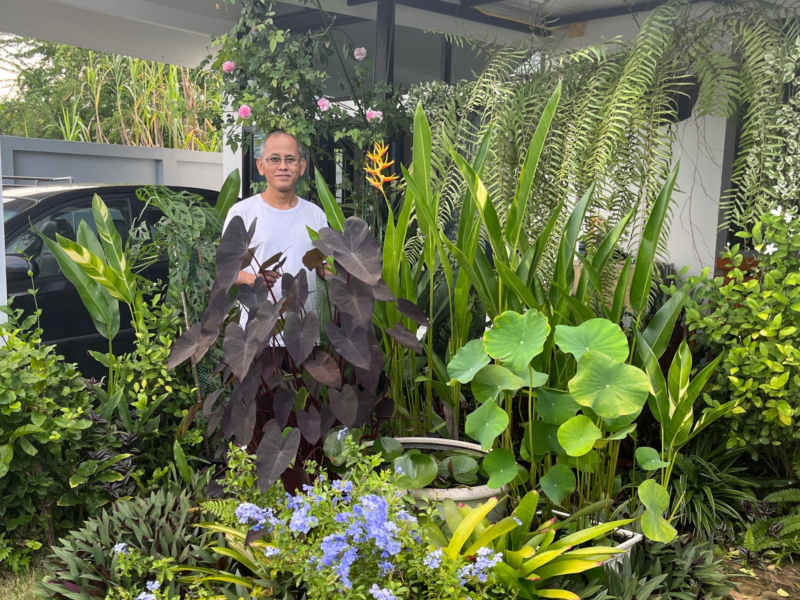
[(280, 163)]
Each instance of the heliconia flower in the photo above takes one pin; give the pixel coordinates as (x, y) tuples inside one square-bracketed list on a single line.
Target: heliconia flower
[(360, 53), (777, 211), (245, 111), (228, 66), (324, 104), (771, 249), (373, 115)]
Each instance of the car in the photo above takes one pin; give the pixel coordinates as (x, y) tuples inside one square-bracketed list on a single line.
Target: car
[(59, 209)]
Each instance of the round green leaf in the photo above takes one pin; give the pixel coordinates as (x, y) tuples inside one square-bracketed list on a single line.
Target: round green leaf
[(599, 335), (555, 407), (578, 435), (469, 359), (501, 467), (656, 500), (486, 423), (585, 464), (516, 339), (609, 388), (418, 471), (558, 482), (491, 380), (389, 448), (544, 438), (649, 459), (612, 425), (461, 468), (531, 379)]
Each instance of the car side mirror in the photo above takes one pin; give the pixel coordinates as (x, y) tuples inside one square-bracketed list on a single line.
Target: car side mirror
[(17, 267)]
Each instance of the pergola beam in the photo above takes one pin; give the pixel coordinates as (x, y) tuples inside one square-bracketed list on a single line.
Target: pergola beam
[(311, 18)]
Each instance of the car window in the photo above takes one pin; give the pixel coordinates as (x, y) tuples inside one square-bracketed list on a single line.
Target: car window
[(65, 221)]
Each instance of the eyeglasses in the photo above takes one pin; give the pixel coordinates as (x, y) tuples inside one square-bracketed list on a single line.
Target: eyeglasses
[(274, 160)]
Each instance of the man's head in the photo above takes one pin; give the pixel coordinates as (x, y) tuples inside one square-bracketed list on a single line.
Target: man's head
[(281, 161)]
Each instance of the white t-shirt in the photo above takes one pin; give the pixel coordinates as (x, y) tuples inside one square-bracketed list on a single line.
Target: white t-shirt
[(281, 231)]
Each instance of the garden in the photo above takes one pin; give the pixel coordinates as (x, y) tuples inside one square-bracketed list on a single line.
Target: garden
[(501, 394)]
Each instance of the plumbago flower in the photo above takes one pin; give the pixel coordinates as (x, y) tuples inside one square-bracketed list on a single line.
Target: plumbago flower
[(354, 537)]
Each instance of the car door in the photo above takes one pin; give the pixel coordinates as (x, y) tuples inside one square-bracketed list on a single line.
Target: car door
[(64, 320)]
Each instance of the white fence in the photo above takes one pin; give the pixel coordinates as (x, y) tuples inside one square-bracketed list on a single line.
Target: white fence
[(109, 163)]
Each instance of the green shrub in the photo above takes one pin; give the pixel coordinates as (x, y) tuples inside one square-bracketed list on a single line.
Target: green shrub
[(162, 525), (44, 415), (753, 321)]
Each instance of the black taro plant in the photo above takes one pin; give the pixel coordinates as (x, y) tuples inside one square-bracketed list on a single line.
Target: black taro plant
[(284, 401)]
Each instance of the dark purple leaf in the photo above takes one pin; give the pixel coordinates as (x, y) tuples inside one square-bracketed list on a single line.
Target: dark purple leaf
[(320, 245), (254, 296), (269, 362), (233, 250), (249, 385), (267, 315), (254, 536), (369, 377), (344, 405), (211, 399), (356, 249), (289, 297), (309, 422), (366, 405), (325, 370), (240, 347), (227, 418), (326, 419), (275, 454), (405, 338), (294, 479), (272, 260), (243, 421), (219, 306), (350, 341), (184, 347), (385, 409), (381, 291), (354, 298), (412, 311), (282, 405), (214, 419), (214, 490), (313, 259), (287, 282), (300, 335)]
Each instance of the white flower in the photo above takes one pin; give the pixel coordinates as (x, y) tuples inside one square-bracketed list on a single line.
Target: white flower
[(271, 551), (360, 53), (787, 217), (421, 331), (777, 211), (771, 249)]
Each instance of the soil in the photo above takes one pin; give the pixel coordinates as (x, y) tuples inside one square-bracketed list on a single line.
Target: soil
[(764, 584)]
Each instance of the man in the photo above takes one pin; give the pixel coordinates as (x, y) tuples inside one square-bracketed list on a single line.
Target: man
[(281, 216)]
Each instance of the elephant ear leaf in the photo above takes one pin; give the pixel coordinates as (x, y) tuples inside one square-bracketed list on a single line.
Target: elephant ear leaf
[(656, 500)]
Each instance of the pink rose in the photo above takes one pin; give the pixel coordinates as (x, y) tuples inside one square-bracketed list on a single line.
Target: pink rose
[(228, 66), (374, 114), (244, 111), (324, 104), (360, 53)]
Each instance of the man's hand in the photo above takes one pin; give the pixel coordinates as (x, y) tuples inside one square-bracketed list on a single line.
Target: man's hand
[(248, 278)]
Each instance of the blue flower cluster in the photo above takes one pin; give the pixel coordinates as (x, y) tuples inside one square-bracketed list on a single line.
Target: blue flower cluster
[(153, 586), (368, 521), (381, 593), (485, 560), (120, 548), (301, 521), (433, 560), (249, 513), (146, 596)]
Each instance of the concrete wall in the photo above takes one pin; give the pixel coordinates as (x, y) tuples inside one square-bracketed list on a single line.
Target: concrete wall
[(109, 163)]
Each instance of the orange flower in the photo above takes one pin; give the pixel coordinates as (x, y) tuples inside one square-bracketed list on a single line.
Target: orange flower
[(379, 164)]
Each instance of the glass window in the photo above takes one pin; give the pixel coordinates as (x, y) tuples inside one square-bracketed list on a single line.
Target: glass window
[(12, 207), (65, 222)]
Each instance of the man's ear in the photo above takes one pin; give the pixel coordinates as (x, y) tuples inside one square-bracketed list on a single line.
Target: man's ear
[(303, 165)]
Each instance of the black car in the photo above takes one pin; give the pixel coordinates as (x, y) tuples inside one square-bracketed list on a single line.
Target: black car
[(60, 209)]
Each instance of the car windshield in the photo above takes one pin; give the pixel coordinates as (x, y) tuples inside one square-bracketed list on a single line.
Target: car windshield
[(14, 206)]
